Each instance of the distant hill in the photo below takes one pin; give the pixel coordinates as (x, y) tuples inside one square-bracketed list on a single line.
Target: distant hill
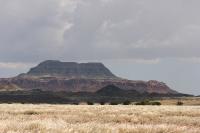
[(57, 76)]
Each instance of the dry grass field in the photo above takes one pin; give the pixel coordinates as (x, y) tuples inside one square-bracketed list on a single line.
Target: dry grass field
[(185, 100), (44, 118)]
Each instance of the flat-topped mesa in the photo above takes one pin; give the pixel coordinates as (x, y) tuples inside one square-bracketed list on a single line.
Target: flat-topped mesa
[(71, 70), (54, 75)]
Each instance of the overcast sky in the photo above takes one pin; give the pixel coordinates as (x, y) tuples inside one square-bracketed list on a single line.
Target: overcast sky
[(136, 39)]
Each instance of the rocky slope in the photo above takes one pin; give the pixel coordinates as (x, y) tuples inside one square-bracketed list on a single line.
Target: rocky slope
[(74, 77)]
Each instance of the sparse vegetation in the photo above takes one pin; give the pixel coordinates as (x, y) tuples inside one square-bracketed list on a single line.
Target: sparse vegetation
[(45, 118)]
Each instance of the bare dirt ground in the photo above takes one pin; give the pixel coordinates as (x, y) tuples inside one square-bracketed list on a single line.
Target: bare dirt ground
[(28, 118)]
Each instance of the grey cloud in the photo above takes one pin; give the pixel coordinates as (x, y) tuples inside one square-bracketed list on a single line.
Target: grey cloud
[(134, 29), (31, 30), (101, 29)]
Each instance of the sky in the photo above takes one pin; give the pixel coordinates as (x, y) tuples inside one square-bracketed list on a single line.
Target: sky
[(135, 39)]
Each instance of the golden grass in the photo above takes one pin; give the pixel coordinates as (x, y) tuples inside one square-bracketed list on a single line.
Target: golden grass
[(44, 118), (185, 100)]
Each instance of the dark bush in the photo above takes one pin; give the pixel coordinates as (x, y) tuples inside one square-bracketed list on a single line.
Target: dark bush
[(114, 103), (31, 112), (90, 103), (126, 102), (146, 102), (179, 103), (155, 103), (75, 103), (102, 103)]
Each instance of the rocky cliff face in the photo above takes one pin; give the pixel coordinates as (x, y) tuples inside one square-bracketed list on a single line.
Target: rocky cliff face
[(74, 77), (71, 70)]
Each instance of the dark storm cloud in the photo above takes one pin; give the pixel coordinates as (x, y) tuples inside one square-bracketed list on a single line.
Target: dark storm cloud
[(35, 30)]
